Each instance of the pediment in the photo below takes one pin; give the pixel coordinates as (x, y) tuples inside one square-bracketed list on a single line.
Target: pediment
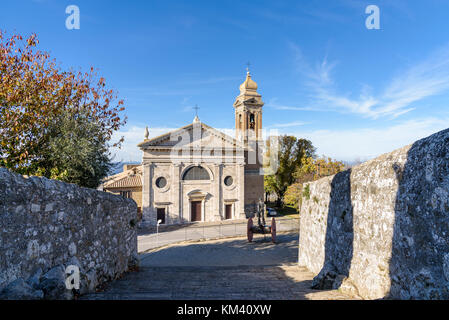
[(192, 135), (252, 100)]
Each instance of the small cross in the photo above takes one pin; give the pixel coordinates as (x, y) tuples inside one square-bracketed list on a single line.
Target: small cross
[(196, 110), (247, 66)]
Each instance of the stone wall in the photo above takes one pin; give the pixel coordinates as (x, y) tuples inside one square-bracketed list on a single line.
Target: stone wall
[(47, 225), (381, 229)]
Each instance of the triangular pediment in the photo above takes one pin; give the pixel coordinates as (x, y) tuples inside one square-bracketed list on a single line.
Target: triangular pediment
[(193, 135)]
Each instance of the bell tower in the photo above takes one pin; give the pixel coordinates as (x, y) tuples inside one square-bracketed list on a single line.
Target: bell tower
[(248, 127), (248, 111)]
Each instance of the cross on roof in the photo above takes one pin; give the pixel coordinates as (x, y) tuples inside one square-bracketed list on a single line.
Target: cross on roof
[(247, 66), (196, 110)]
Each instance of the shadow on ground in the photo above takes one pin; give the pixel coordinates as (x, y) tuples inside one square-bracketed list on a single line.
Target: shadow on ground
[(235, 252), (220, 269)]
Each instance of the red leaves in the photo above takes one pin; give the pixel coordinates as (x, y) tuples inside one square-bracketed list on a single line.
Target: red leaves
[(34, 91)]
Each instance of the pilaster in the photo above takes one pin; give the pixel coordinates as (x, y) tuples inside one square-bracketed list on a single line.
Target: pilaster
[(175, 192), (240, 209)]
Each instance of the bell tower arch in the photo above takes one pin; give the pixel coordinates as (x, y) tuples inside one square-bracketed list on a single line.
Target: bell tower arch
[(248, 111)]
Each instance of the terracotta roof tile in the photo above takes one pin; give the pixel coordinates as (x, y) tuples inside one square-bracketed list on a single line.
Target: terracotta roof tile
[(126, 182)]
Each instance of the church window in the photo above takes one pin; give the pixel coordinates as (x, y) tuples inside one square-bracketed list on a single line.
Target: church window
[(196, 173), (126, 194), (161, 182), (228, 181)]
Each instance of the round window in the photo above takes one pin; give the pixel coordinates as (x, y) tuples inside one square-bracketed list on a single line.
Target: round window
[(228, 181), (161, 182)]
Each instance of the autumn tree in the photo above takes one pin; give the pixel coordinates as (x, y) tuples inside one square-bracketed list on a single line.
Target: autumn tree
[(292, 195), (291, 152), (42, 105), (310, 170), (313, 169)]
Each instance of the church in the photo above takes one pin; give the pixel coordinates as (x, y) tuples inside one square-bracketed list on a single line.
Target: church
[(198, 173)]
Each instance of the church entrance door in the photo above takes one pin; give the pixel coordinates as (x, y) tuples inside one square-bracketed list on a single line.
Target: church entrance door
[(228, 211), (196, 211), (161, 215)]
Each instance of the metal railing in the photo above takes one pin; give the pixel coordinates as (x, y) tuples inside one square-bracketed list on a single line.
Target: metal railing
[(189, 232)]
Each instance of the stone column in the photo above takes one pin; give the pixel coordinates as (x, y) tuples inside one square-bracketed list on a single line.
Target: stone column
[(203, 209), (217, 190), (148, 213), (153, 214), (146, 194), (258, 125), (240, 209), (245, 124), (175, 191)]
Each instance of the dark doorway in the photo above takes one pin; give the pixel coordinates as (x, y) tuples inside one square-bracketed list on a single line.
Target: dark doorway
[(196, 211), (161, 215), (228, 211)]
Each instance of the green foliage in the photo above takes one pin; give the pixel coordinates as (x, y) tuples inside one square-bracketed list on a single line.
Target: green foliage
[(306, 192), (291, 153), (313, 169), (76, 151), (315, 199), (269, 183), (292, 195)]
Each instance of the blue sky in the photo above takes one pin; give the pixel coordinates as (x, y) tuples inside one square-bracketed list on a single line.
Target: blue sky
[(356, 93)]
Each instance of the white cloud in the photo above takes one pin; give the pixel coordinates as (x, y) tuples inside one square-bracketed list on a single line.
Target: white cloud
[(424, 79), (129, 152), (345, 145), (288, 124), (368, 143)]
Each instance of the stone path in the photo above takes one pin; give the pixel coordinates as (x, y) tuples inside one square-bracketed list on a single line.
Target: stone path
[(220, 269), (148, 239)]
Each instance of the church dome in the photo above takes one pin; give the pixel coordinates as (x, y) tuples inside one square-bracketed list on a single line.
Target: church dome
[(249, 84)]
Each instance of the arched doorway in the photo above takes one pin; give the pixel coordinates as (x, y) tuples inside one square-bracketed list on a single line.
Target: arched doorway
[(197, 197)]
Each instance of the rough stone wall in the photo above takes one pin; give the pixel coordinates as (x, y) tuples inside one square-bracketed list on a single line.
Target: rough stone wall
[(381, 229), (47, 225)]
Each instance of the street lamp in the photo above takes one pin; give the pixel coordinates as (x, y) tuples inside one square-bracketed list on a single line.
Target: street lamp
[(157, 230)]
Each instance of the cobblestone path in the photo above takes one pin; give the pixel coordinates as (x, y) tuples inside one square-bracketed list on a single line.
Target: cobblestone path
[(220, 269)]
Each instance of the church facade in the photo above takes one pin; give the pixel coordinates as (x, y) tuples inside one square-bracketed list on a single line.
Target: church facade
[(198, 173)]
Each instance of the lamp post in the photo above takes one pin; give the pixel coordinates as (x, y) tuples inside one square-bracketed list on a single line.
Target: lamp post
[(157, 231)]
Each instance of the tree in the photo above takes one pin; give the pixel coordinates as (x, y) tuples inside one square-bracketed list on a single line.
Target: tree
[(292, 195), (35, 96), (310, 170), (76, 151), (291, 152), (313, 169), (269, 185)]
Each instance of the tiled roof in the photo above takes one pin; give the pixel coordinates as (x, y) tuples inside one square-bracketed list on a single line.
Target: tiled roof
[(128, 179), (126, 182)]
